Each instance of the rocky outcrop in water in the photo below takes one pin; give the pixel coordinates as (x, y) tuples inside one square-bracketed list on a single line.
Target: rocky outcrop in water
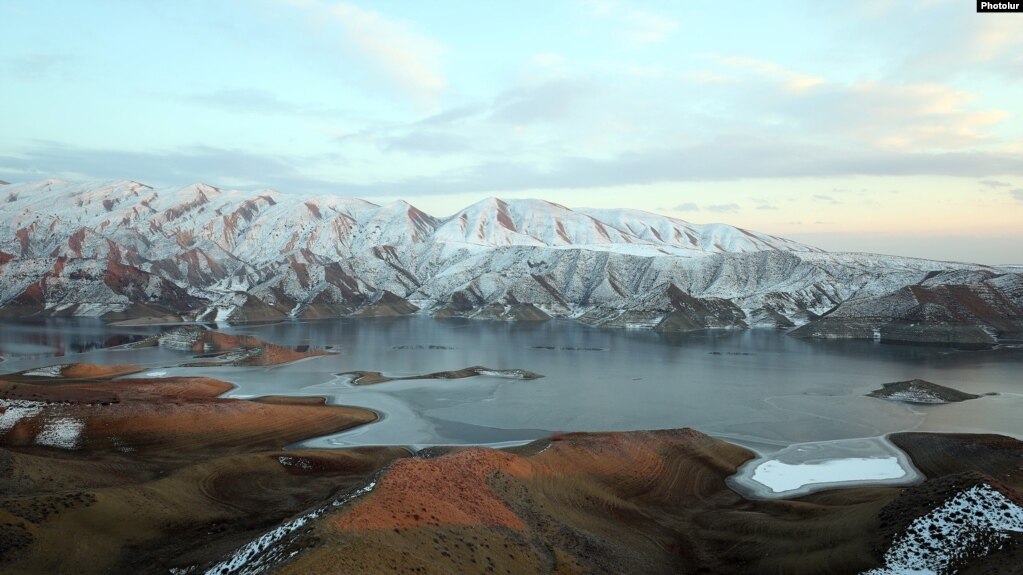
[(221, 349), (372, 377), (920, 391)]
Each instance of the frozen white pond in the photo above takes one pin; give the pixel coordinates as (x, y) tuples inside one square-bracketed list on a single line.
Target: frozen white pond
[(782, 477), (804, 468)]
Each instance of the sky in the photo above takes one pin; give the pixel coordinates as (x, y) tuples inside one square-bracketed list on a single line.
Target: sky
[(882, 126)]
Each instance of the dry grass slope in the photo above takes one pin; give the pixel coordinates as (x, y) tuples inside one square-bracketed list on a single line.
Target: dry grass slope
[(159, 472)]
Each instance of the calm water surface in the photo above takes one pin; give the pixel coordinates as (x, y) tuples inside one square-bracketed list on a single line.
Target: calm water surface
[(759, 388)]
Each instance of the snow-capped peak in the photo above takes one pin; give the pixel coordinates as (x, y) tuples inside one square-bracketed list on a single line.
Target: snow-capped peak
[(101, 248)]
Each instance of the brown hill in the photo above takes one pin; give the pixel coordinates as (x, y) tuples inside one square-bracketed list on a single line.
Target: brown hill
[(130, 476), (637, 502)]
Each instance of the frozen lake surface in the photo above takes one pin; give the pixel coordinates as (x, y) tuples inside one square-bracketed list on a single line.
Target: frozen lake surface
[(758, 388)]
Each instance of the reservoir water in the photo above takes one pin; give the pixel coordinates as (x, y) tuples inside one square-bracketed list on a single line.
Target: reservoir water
[(759, 388)]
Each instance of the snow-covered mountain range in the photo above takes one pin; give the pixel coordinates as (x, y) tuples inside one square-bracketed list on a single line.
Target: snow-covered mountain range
[(124, 250)]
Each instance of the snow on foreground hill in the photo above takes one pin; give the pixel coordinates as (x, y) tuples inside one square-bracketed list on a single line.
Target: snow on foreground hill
[(124, 250)]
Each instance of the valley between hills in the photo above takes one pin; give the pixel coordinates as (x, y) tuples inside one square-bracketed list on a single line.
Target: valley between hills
[(221, 452)]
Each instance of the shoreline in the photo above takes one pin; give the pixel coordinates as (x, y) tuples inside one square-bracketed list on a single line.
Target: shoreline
[(362, 500), (958, 346)]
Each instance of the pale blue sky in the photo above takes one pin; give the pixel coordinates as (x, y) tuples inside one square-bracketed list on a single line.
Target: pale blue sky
[(875, 125)]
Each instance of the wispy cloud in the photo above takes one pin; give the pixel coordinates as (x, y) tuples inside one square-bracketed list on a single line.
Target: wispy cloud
[(931, 39), (995, 37), (540, 102), (723, 208), (917, 116), (395, 50), (477, 128), (432, 142), (745, 157), (257, 102), (219, 166), (742, 158), (994, 184), (37, 66), (715, 208), (1017, 194), (454, 115), (710, 78), (882, 114), (642, 27), (635, 27), (790, 79)]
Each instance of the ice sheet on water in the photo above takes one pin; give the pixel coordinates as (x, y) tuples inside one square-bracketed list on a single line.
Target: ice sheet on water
[(780, 477), (807, 467)]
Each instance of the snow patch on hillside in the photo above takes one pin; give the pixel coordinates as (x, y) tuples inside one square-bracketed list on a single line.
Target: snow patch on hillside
[(14, 410), (971, 524), (255, 556), (62, 432)]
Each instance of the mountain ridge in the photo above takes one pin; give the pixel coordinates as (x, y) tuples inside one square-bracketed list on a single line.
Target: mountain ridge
[(125, 250)]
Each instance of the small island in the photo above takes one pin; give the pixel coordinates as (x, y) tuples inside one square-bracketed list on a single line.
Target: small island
[(920, 391), (372, 377)]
